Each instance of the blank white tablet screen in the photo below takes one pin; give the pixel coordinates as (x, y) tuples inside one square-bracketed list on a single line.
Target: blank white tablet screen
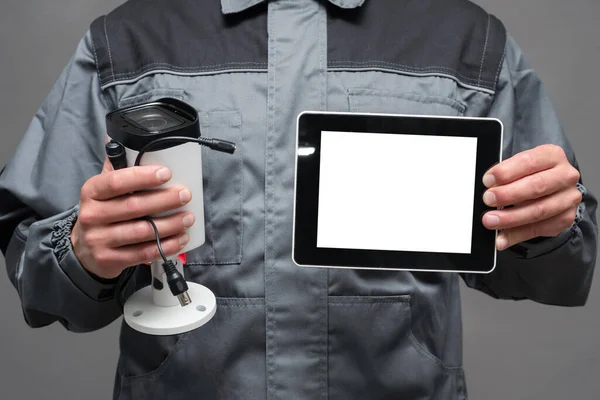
[(396, 192)]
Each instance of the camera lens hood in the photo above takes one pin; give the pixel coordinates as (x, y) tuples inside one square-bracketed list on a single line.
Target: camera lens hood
[(135, 136)]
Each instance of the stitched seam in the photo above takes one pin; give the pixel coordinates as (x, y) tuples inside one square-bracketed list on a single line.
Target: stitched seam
[(402, 66), (210, 213), (226, 301), (95, 55), (487, 34), (356, 104), (516, 109), (322, 92), (419, 348), (241, 186), (150, 66), (112, 70), (207, 123), (107, 84), (432, 68), (366, 303), (202, 263), (500, 65), (445, 101), (269, 189), (241, 305), (322, 66), (368, 300), (151, 94), (156, 373), (438, 74), (96, 64)]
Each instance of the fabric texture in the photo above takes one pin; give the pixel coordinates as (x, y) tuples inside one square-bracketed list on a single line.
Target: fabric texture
[(249, 67)]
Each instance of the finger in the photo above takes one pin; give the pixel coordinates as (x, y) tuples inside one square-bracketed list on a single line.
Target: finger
[(549, 228), (117, 183), (530, 187), (522, 164), (533, 211), (144, 252), (135, 232), (107, 167), (137, 205)]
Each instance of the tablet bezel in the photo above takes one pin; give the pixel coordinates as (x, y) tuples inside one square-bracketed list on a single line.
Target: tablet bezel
[(310, 124)]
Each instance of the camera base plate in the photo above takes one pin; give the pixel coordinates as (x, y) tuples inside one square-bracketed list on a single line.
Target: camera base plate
[(142, 314)]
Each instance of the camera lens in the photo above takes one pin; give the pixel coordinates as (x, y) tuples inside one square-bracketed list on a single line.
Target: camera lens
[(153, 119), (153, 122)]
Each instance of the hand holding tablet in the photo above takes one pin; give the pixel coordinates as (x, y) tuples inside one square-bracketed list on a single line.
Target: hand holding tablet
[(394, 192), (543, 189)]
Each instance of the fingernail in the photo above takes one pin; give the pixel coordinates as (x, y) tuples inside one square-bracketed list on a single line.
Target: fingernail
[(188, 220), (489, 198), (501, 242), (163, 174), (489, 180), (184, 239), (492, 220), (185, 195)]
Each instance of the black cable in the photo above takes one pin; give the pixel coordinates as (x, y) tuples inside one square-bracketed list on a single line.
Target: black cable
[(175, 280), (214, 144), (160, 250), (129, 271)]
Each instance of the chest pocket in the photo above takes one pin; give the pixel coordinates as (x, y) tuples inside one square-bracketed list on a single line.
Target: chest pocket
[(397, 102), (222, 180)]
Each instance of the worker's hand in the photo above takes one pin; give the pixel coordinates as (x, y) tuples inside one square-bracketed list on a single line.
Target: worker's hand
[(541, 184), (106, 237)]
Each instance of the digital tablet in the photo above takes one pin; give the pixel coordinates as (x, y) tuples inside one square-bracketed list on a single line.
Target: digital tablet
[(386, 191)]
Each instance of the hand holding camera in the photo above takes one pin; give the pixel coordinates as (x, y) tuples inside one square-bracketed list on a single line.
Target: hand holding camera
[(107, 238), (121, 222)]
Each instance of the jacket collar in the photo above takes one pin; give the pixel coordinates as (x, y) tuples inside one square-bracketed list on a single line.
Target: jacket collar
[(233, 6)]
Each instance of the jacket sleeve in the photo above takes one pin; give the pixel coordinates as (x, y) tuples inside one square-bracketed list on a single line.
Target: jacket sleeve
[(557, 270), (39, 192)]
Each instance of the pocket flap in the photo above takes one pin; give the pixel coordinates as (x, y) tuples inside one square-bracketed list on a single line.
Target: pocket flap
[(396, 102), (151, 95)]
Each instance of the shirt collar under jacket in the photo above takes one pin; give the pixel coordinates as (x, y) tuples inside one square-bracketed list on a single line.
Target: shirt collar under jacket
[(234, 6)]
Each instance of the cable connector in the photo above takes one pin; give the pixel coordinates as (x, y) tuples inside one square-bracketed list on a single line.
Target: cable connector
[(177, 283), (223, 146)]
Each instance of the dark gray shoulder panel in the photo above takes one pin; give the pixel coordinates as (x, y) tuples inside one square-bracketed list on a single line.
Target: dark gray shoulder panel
[(448, 37), (182, 36)]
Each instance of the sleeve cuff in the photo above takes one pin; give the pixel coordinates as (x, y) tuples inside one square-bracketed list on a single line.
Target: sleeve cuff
[(543, 245), (95, 287)]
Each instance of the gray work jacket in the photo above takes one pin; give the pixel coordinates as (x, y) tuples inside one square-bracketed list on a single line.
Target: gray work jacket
[(250, 67)]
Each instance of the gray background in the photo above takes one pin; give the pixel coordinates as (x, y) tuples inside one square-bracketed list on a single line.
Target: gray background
[(513, 350)]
